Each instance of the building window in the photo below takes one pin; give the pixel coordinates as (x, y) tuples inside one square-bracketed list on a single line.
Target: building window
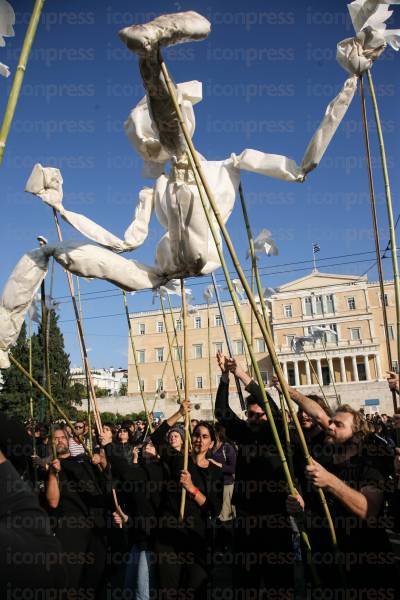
[(197, 322), (141, 355), (178, 324), (351, 303), (160, 385), (181, 383), (160, 354), (218, 321), (287, 311), (331, 337), (355, 334), (308, 306), (178, 352), (330, 305), (261, 346), (395, 366), (142, 328), (391, 332), (198, 350), (239, 347), (264, 376), (199, 382), (291, 376), (386, 300), (319, 307), (218, 379), (141, 385), (219, 347), (160, 327)]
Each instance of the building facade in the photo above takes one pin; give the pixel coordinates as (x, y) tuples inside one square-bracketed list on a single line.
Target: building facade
[(109, 380), (349, 366)]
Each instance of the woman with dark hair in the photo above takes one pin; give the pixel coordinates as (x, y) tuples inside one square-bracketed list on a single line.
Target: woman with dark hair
[(124, 445), (182, 545)]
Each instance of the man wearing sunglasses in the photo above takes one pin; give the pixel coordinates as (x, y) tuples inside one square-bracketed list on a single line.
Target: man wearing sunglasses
[(263, 553)]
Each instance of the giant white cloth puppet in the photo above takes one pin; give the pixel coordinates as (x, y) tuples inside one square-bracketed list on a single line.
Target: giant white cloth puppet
[(187, 248)]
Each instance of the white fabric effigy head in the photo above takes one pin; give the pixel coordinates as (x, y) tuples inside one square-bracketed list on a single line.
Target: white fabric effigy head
[(46, 182), (165, 30), (357, 54), (143, 134)]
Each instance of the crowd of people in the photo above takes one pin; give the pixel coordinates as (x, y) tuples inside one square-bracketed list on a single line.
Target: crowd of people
[(120, 515)]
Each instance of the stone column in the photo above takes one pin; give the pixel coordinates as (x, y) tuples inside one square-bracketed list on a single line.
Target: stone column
[(355, 372), (331, 370), (285, 370), (319, 371), (308, 373), (296, 373), (367, 371), (378, 366), (343, 378)]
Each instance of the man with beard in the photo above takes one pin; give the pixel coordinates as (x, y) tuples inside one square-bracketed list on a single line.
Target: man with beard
[(263, 552), (354, 490), (76, 493)]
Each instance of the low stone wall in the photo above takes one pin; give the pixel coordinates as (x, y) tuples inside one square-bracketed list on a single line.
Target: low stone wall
[(355, 394)]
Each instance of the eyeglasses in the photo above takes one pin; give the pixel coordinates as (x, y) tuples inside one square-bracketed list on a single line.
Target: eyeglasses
[(79, 427), (253, 413)]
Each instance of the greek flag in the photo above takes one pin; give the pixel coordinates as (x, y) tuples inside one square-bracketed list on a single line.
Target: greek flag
[(315, 248)]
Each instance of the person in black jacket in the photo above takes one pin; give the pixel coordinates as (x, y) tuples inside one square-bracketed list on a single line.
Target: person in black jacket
[(141, 486), (263, 550), (182, 547), (76, 493)]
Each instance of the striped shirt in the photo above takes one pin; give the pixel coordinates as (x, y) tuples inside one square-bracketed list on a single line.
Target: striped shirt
[(75, 448)]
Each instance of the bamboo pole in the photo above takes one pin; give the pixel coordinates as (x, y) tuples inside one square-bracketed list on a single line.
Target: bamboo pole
[(392, 229), (19, 76), (331, 374), (389, 207), (170, 349), (136, 363), (228, 340), (96, 411), (209, 361), (186, 382), (43, 391), (175, 333), (31, 410), (89, 415), (201, 182), (316, 377)]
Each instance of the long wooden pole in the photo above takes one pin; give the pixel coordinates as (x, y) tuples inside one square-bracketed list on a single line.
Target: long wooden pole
[(187, 396), (135, 360), (170, 349), (19, 76), (209, 361), (96, 411), (202, 183), (89, 415), (171, 310), (375, 219), (227, 339), (45, 393)]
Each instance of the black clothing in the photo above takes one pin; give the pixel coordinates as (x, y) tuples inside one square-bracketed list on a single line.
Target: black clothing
[(124, 450), (364, 549), (182, 547), (141, 487), (80, 520), (30, 555), (263, 550)]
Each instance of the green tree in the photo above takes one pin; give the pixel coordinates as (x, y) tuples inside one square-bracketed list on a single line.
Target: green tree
[(16, 390), (123, 390)]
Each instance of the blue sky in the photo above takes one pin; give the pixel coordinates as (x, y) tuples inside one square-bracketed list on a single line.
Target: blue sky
[(268, 70)]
